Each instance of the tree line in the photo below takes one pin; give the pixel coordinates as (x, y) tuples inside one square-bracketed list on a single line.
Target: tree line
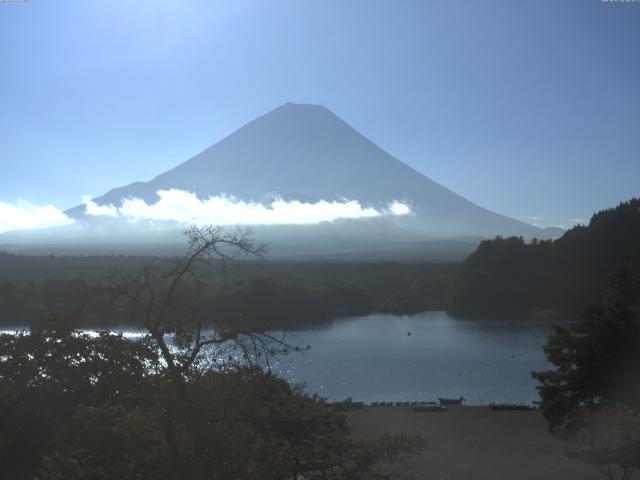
[(552, 278), (279, 295)]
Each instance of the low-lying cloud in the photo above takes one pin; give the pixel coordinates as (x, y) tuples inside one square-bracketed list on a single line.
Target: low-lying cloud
[(182, 207), (24, 215), (93, 209)]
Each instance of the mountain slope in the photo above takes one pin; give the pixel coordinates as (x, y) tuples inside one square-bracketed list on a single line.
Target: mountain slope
[(307, 153)]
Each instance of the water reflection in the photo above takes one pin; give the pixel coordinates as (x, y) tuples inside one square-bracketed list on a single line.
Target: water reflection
[(419, 357), (413, 358)]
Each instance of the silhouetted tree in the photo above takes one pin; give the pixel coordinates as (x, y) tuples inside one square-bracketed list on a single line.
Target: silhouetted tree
[(596, 360), (166, 300), (45, 374), (596, 379)]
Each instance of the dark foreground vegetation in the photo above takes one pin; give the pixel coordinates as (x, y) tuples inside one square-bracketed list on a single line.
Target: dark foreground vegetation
[(592, 396), (276, 294), (552, 278), (184, 402), (75, 407)]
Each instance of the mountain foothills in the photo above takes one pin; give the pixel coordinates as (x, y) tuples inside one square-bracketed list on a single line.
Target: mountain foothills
[(509, 277), (306, 153)]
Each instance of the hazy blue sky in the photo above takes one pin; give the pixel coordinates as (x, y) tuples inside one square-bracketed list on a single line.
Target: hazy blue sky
[(529, 108)]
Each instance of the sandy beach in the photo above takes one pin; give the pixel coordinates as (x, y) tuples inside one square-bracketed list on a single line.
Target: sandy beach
[(476, 443)]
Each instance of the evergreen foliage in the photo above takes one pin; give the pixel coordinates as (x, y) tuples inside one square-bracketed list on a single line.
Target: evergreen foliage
[(508, 277)]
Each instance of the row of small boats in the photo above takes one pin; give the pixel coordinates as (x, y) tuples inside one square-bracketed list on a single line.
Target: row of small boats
[(438, 406), (440, 403), (402, 404), (511, 406)]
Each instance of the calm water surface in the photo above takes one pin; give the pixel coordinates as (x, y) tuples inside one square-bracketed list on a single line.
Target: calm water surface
[(373, 358)]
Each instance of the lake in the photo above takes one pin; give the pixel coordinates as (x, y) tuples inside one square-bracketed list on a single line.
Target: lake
[(417, 358), (373, 358)]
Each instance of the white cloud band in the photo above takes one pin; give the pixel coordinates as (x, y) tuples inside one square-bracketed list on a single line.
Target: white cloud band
[(23, 215), (185, 207), (182, 207)]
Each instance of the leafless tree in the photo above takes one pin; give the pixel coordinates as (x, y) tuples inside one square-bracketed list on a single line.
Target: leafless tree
[(174, 322), (162, 294)]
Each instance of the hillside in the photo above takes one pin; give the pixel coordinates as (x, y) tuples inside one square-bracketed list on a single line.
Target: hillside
[(509, 277)]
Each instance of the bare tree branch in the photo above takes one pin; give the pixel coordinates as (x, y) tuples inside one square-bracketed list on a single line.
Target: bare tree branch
[(154, 291)]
